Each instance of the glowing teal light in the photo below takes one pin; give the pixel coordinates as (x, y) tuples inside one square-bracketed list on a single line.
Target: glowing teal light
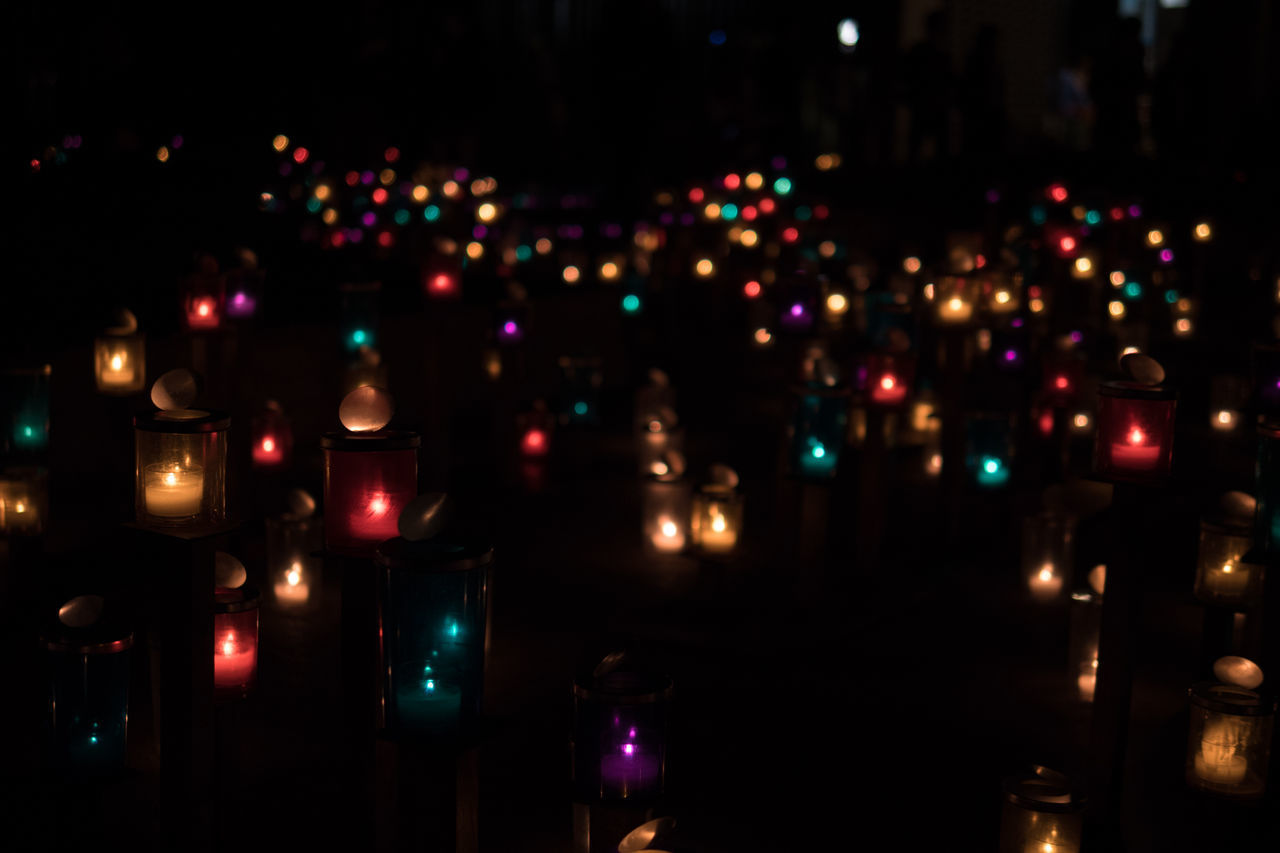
[(1132, 290), (430, 686), (28, 431), (523, 252), (1093, 217), (631, 303), (93, 738), (992, 472), (453, 629), (358, 337), (729, 211), (431, 213), (818, 451), (803, 213), (426, 670), (579, 408), (1038, 215), (1171, 296), (314, 205), (991, 466), (402, 217), (782, 186)]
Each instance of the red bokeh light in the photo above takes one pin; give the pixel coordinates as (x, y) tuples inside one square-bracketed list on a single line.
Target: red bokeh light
[(751, 289), (300, 155), (379, 196), (696, 195), (790, 235), (732, 181)]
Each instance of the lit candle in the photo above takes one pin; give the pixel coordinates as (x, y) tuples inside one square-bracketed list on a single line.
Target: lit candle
[(1224, 420), (118, 371), (888, 390), (1217, 761), (1046, 583), (510, 332), (933, 464), (668, 537), (796, 317), (241, 304), (173, 491), (1087, 681), (534, 442), (1002, 302), (1050, 844), (1134, 451), (203, 313), (18, 514), (1231, 580), (235, 657), (818, 460), (717, 534), (629, 771), (292, 588), (992, 472), (954, 310), (268, 451), (428, 703), (376, 516)]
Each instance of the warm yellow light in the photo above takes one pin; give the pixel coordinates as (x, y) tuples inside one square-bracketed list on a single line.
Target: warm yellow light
[(571, 274), (955, 303), (1002, 296), (754, 181), (421, 193), (1117, 279), (911, 265), (543, 246), (170, 479), (1182, 326), (763, 336), (1081, 420), (669, 529), (718, 523), (927, 292), (475, 250), (294, 575), (1227, 568), (1129, 350), (162, 154), (329, 216), (1078, 212), (323, 191), (117, 362), (659, 468), (704, 267), (386, 177), (837, 303), (1203, 232), (1183, 305), (827, 249), (280, 143), (20, 507), (451, 188), (735, 234), (486, 212), (1155, 237), (748, 238), (711, 211), (1046, 572), (1083, 265), (1115, 308), (608, 270), (1036, 305)]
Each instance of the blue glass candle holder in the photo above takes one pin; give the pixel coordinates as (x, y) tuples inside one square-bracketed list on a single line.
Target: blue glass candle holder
[(1266, 527), (87, 657), (989, 455), (621, 712), (818, 431), (25, 399), (433, 615)]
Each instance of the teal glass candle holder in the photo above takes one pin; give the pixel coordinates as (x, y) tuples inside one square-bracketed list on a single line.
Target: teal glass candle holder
[(24, 393), (87, 658), (433, 615), (989, 455), (818, 431)]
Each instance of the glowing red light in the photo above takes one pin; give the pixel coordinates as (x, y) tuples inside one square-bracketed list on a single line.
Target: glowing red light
[(352, 178), (392, 154), (790, 235), (385, 239), (1034, 291), (300, 155), (887, 383), (268, 444), (767, 205), (751, 289), (379, 196), (534, 442), (1061, 383), (732, 181), (1117, 213), (1058, 193), (749, 213), (980, 261), (1046, 422), (1136, 436), (1067, 244), (336, 239), (821, 211), (441, 283), (696, 195), (204, 308), (35, 165)]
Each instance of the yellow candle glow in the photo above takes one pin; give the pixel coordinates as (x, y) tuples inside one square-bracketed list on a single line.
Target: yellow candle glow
[(1230, 580), (1224, 420), (1217, 761), (1087, 681), (1046, 583), (717, 533), (293, 588), (668, 537), (173, 491), (119, 370), (954, 310)]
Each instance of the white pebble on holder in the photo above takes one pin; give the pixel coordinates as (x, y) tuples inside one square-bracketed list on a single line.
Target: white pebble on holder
[(366, 409)]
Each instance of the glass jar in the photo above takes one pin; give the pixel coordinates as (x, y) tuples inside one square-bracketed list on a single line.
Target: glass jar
[(1048, 554), (24, 501), (1042, 814), (368, 479), (1134, 432), (120, 363), (1229, 740), (180, 468), (1223, 578), (235, 642), (717, 519), (666, 512), (293, 566), (818, 430)]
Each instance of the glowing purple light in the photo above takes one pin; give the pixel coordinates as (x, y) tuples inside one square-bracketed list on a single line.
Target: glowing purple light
[(238, 299), (1010, 355), (479, 232), (460, 174), (1166, 255), (666, 218), (993, 196), (632, 734), (778, 162), (510, 327), (366, 177), (1135, 211), (613, 231), (629, 749), (1077, 337), (797, 310), (368, 219), (1017, 322)]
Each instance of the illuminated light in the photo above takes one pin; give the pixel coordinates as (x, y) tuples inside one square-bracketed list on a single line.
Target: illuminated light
[(887, 383), (991, 466), (1057, 192), (475, 250), (571, 274), (431, 213), (486, 212), (203, 309), (767, 205), (749, 213), (1132, 290), (1136, 436), (441, 283), (1129, 350), (763, 336), (359, 337), (1171, 296), (386, 177), (1166, 256), (1182, 326), (1226, 418), (1061, 383), (911, 264), (955, 304), (1078, 212), (1067, 244), (704, 267), (818, 451), (729, 212), (510, 328), (823, 162), (751, 289), (1135, 211), (117, 362), (1115, 309), (717, 38), (300, 155), (696, 195), (1184, 304), (821, 211), (1202, 232), (711, 211), (1003, 297), (1046, 423), (1093, 217), (980, 260), (631, 303), (367, 176), (732, 181), (451, 189), (1080, 421), (401, 217), (749, 238), (1010, 355), (379, 196), (1036, 305), (280, 143), (1155, 237), (827, 249), (543, 246), (790, 235), (368, 219), (162, 154), (420, 193), (927, 292), (837, 303), (35, 165), (1117, 278), (1117, 213), (984, 340), (1083, 265), (608, 270), (782, 186), (1046, 574), (268, 444), (754, 180), (847, 32)]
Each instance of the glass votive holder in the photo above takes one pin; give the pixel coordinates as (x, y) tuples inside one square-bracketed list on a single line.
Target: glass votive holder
[(235, 641), (818, 430), (888, 379), (1134, 440), (368, 479), (1228, 399), (1002, 295), (665, 512), (120, 363), (1062, 380), (25, 401), (653, 444), (271, 435), (798, 309), (953, 298), (433, 610), (1266, 524), (1082, 641), (1223, 578), (988, 453), (24, 501), (87, 659), (717, 518), (1042, 814), (620, 716), (202, 303), (1047, 553), (1229, 740), (358, 326), (292, 565), (244, 288), (510, 324), (181, 464)]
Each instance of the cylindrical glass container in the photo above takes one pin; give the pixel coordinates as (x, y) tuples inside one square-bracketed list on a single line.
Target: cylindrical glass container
[(235, 641), (1223, 577), (1266, 525), (666, 512), (433, 611), (953, 297), (359, 319), (988, 449), (272, 437), (24, 501), (292, 564), (244, 291), (202, 303), (619, 745), (717, 518), (818, 430), (580, 382), (181, 465), (120, 363), (888, 379), (1082, 643), (1134, 432), (655, 443), (1062, 380), (24, 398), (1047, 554), (1042, 814), (88, 670), (368, 479), (510, 324), (1229, 740)]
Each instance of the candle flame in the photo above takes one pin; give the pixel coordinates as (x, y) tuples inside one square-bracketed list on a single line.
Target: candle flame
[(229, 644), (1002, 296), (203, 309), (20, 507), (718, 523), (268, 444), (955, 303), (1227, 568), (888, 382), (1225, 417), (294, 575), (1136, 436), (669, 529), (378, 505), (1046, 573), (628, 749), (171, 479), (117, 361), (659, 468)]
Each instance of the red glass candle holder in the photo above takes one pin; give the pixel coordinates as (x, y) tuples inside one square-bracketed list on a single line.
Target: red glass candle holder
[(368, 479), (1135, 432), (441, 284), (272, 437), (1062, 380), (235, 642), (888, 379), (203, 304)]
